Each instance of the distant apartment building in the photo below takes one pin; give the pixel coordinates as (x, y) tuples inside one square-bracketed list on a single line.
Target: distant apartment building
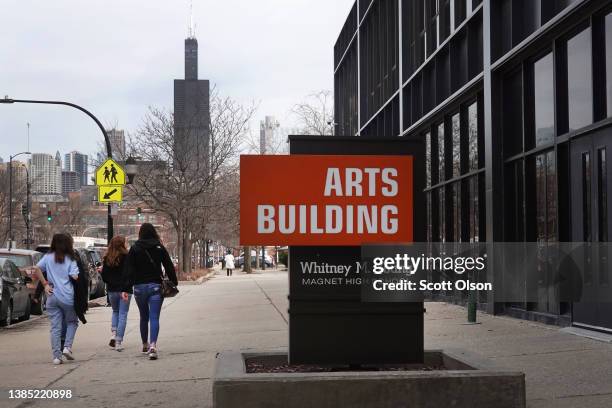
[(70, 182), (75, 161), (117, 142), (46, 173)]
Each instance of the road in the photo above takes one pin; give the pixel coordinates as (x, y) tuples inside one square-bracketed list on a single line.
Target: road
[(250, 312)]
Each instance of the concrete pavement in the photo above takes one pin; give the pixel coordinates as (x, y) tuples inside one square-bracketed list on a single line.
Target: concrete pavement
[(250, 312)]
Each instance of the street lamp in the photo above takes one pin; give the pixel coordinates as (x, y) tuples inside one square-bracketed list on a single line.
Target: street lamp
[(28, 219), (11, 157), (109, 154), (131, 169)]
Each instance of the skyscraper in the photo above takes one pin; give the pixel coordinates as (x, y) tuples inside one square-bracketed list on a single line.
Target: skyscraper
[(191, 111), (46, 173), (75, 161), (266, 135), (70, 181), (117, 141)]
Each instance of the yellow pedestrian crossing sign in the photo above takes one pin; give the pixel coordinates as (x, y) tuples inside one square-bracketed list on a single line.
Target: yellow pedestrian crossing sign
[(110, 194), (110, 173)]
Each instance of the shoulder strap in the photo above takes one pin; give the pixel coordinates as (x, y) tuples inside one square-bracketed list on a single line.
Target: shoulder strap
[(153, 262)]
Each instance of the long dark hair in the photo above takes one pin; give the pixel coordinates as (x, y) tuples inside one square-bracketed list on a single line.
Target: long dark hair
[(61, 245), (116, 251), (147, 231)]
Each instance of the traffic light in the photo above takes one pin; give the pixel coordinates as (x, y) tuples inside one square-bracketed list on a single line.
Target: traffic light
[(139, 212), (49, 216), (24, 210)]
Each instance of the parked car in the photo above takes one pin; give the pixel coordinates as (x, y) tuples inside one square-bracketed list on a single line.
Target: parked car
[(92, 261), (25, 260), (14, 296), (239, 261)]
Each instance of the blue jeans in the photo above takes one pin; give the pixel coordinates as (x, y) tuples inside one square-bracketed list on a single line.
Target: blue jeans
[(62, 317), (149, 300), (120, 312)]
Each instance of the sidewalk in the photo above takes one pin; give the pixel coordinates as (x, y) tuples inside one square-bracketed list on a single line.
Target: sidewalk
[(250, 312)]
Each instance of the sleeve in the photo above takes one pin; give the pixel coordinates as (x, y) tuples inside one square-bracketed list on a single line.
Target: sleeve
[(104, 273), (42, 264), (125, 274), (129, 268), (74, 268), (169, 266)]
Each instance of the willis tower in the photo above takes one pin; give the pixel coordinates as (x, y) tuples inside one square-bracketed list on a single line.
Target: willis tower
[(191, 112)]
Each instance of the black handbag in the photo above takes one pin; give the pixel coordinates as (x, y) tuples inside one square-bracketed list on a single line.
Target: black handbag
[(168, 288)]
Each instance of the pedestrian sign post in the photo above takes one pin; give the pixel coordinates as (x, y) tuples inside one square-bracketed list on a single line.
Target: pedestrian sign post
[(110, 179)]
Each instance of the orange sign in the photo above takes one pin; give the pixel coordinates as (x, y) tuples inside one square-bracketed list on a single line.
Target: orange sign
[(317, 200)]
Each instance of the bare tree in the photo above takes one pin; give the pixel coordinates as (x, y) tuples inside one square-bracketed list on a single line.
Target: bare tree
[(182, 173), (19, 198), (315, 115)]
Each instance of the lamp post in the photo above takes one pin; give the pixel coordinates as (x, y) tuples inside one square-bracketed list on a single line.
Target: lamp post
[(11, 157), (28, 219), (106, 140)]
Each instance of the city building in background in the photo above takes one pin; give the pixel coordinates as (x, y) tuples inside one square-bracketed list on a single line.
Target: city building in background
[(46, 173), (117, 142), (516, 118), (267, 127), (75, 161), (192, 109), (70, 181)]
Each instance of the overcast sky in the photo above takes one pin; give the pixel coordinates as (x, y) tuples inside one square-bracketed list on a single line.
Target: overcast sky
[(116, 57)]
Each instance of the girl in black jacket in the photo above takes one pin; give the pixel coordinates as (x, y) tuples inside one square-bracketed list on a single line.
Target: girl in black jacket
[(119, 292), (145, 261)]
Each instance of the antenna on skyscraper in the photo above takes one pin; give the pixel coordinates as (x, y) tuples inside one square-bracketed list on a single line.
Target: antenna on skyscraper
[(191, 27)]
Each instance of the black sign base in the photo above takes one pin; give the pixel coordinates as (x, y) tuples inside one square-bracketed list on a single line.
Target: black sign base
[(328, 322)]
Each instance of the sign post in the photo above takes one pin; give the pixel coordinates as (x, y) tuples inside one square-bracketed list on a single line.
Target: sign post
[(110, 179), (332, 195)]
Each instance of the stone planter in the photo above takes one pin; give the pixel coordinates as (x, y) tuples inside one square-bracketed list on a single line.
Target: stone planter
[(464, 381)]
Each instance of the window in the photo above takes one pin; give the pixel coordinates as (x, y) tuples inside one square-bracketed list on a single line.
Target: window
[(473, 137), (586, 197), (456, 129), (456, 190), (460, 11), (441, 161), (580, 89), (546, 197), (441, 215), (428, 158), (473, 209), (602, 194), (544, 102), (608, 41)]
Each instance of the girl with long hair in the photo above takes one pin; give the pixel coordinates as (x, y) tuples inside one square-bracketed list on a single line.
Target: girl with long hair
[(119, 292), (146, 259), (61, 269)]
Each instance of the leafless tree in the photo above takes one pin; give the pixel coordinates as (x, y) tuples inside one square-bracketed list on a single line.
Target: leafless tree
[(315, 115), (19, 199), (182, 174)]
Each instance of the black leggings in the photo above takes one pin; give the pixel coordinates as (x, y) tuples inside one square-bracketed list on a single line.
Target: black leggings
[(229, 272)]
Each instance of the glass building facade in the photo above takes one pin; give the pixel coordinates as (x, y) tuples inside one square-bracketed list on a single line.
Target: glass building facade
[(513, 100)]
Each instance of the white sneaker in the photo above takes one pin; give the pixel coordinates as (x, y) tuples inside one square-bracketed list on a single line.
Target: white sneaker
[(118, 346), (68, 353), (57, 361)]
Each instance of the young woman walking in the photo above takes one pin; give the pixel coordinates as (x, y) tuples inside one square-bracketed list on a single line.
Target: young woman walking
[(145, 261), (115, 276), (61, 269)]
